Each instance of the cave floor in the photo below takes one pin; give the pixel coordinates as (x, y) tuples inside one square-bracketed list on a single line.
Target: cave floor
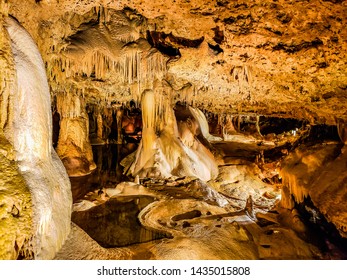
[(235, 216)]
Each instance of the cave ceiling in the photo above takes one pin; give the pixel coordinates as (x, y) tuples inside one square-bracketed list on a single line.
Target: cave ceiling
[(284, 58)]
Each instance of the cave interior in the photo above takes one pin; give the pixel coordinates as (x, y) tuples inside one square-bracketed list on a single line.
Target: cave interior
[(136, 130)]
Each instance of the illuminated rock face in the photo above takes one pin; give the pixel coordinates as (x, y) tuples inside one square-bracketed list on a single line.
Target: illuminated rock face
[(31, 135)]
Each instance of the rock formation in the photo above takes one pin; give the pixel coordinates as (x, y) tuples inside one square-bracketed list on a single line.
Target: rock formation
[(28, 127), (274, 57), (169, 147), (74, 147), (180, 65)]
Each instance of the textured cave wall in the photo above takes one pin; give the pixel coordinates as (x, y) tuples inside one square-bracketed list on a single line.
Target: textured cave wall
[(43, 216), (280, 57), (16, 228)]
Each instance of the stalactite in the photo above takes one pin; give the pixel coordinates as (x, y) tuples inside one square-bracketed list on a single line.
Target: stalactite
[(295, 189), (342, 129), (132, 66), (242, 74), (135, 70), (99, 127)]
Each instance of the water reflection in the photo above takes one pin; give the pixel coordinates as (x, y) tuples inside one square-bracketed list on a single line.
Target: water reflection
[(108, 173), (115, 223)]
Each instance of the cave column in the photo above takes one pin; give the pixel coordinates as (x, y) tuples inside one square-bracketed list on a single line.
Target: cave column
[(74, 146)]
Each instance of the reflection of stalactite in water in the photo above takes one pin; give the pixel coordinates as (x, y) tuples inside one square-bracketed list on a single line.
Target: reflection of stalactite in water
[(119, 116)]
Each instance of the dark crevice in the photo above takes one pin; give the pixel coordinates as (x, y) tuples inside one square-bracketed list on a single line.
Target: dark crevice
[(169, 44), (320, 133), (216, 48), (158, 40), (218, 35), (283, 17), (277, 32), (293, 48), (334, 1), (278, 125), (321, 232)]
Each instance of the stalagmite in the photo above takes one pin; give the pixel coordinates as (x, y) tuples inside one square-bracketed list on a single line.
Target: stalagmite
[(257, 125), (167, 148), (31, 137), (228, 128)]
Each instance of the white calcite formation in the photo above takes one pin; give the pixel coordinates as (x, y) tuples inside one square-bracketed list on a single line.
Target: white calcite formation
[(30, 133), (169, 148)]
